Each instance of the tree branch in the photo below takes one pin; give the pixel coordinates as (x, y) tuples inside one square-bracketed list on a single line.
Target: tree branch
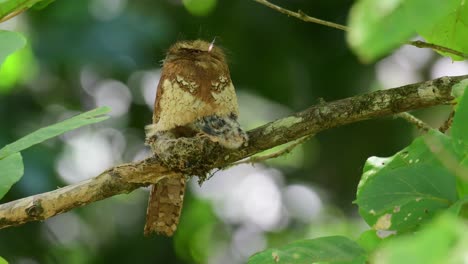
[(128, 177)]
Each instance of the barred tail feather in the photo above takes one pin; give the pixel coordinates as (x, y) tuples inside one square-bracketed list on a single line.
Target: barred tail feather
[(164, 206)]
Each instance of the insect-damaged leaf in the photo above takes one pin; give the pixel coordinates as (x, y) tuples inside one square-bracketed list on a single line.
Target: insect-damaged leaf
[(400, 192)]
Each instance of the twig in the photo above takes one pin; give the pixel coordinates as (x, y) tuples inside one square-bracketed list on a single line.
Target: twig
[(422, 44), (128, 177), (301, 15), (304, 17), (448, 123), (415, 121), (286, 150)]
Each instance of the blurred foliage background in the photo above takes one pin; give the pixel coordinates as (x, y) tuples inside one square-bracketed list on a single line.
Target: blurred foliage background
[(83, 54)]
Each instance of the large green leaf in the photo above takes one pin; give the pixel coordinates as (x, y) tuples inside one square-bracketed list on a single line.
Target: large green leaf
[(334, 249), (3, 261), (400, 192), (45, 133), (9, 43), (450, 31), (444, 240), (11, 170), (378, 26)]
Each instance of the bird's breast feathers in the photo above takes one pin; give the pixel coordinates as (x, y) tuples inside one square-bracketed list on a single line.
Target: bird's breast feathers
[(182, 100)]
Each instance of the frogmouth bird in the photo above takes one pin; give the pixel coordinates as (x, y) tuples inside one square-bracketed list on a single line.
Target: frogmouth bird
[(195, 97)]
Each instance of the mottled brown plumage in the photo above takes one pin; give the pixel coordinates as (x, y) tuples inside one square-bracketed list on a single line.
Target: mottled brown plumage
[(194, 83), (195, 97)]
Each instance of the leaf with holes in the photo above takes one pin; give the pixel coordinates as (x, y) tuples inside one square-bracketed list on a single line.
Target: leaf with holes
[(333, 249), (401, 192)]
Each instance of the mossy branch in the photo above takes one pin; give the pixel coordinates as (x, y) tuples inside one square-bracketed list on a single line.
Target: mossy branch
[(128, 177)]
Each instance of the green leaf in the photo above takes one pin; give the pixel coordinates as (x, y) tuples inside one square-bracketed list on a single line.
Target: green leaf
[(11, 170), (42, 134), (462, 185), (444, 240), (460, 208), (369, 240), (18, 68), (378, 26), (11, 7), (459, 89), (3, 261), (43, 4), (333, 249), (459, 130), (193, 241), (199, 7), (9, 43), (450, 31), (400, 192)]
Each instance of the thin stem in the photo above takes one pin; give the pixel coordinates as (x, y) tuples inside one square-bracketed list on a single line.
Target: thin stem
[(281, 152), (422, 44), (415, 121), (448, 123), (302, 16)]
